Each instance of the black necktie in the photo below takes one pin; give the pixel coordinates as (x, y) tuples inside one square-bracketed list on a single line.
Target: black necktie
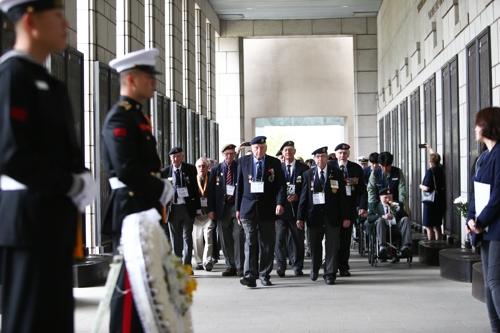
[(259, 171), (322, 177), (289, 174), (342, 167), (177, 183)]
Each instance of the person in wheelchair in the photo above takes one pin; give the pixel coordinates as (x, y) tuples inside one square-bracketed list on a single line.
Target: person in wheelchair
[(384, 212)]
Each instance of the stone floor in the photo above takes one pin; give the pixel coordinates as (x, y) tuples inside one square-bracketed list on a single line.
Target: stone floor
[(387, 298)]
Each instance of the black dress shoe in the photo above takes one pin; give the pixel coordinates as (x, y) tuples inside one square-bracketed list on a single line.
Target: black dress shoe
[(329, 280), (314, 276), (406, 252), (246, 282), (382, 253), (199, 267), (281, 272), (298, 272), (345, 272), (266, 283)]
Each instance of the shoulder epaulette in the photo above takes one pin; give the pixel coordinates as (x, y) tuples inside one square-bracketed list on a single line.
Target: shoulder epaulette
[(126, 105)]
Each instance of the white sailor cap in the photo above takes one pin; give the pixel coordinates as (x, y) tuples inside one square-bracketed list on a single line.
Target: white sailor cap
[(29, 6), (144, 60)]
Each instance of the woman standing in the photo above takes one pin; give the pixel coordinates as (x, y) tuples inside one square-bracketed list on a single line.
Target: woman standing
[(488, 174), (434, 211)]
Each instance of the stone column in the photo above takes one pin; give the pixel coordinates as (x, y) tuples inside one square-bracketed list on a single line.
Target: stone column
[(211, 74), (94, 16), (188, 46), (155, 37), (230, 97), (129, 26), (201, 63), (173, 47)]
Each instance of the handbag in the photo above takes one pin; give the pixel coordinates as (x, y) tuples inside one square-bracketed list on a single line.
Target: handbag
[(430, 196)]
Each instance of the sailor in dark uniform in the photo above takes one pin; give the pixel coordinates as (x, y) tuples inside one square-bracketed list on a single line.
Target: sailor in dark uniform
[(43, 181), (287, 223), (132, 165)]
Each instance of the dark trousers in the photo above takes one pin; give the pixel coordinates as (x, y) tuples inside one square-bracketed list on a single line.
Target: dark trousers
[(331, 234), (490, 255), (262, 235), (37, 290), (344, 247), (181, 233), (287, 232), (232, 238), (123, 315)]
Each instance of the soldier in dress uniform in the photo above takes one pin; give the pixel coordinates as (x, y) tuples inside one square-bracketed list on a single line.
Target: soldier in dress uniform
[(132, 165), (287, 223), (260, 198), (221, 192), (44, 185), (323, 204), (355, 191)]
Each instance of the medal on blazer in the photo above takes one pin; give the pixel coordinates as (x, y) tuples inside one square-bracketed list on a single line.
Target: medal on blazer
[(217, 181), (249, 178), (334, 184), (312, 186), (271, 177), (299, 179)]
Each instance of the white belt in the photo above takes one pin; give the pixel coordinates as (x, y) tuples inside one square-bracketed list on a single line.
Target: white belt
[(9, 184), (115, 183)]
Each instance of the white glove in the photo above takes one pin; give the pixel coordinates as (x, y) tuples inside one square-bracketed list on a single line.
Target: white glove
[(87, 192), (168, 192)]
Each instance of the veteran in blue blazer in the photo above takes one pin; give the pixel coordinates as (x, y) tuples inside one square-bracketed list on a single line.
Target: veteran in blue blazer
[(486, 222), (260, 198), (323, 204)]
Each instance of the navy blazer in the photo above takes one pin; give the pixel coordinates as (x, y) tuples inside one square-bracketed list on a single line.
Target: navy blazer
[(488, 173), (358, 197), (216, 192), (297, 179), (262, 205), (335, 207), (190, 174)]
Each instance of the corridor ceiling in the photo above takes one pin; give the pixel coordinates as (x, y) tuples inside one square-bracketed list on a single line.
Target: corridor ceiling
[(294, 9)]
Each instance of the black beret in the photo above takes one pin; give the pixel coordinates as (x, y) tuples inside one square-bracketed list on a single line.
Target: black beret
[(384, 191), (175, 150), (288, 143), (279, 153), (343, 146), (322, 150), (258, 139)]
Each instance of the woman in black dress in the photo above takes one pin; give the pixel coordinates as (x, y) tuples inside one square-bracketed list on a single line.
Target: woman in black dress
[(434, 211)]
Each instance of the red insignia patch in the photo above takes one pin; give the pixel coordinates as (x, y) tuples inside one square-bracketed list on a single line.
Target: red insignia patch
[(120, 131), (18, 113), (144, 127)]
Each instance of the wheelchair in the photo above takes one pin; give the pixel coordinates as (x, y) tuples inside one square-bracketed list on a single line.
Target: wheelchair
[(360, 236), (394, 245)]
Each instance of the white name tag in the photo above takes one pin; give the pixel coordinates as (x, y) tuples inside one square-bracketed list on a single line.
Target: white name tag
[(319, 198), (182, 192), (348, 190), (204, 202), (42, 85), (230, 189), (257, 187), (290, 189)]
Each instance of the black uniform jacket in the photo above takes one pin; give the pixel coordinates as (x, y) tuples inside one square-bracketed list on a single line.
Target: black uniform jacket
[(358, 197), (189, 176), (129, 153), (262, 205), (216, 192), (336, 205), (38, 148), (297, 179)]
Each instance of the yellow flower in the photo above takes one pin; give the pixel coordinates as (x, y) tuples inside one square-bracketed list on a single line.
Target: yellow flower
[(190, 286), (188, 269)]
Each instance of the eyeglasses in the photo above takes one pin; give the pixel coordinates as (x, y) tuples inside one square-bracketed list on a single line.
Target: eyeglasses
[(228, 154)]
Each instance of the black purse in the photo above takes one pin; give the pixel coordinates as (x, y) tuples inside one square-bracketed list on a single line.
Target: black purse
[(430, 196)]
